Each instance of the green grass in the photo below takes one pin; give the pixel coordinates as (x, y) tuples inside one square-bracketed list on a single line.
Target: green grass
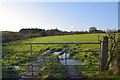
[(65, 38), (85, 57), (56, 39)]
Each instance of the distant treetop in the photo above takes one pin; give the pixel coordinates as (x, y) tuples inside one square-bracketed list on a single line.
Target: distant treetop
[(91, 29)]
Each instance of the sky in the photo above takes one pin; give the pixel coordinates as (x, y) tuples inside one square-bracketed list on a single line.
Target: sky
[(66, 16)]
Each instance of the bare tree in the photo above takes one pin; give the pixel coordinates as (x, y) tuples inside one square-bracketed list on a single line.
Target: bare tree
[(113, 48)]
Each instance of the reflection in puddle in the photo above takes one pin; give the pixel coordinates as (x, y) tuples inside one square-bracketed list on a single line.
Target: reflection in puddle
[(17, 67), (71, 62), (47, 51), (68, 61)]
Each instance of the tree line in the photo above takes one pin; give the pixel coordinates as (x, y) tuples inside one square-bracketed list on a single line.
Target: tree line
[(34, 32)]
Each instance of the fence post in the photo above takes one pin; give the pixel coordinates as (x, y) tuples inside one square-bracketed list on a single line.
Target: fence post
[(103, 53)]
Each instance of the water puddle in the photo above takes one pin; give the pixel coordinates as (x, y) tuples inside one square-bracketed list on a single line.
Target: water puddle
[(68, 61), (62, 56)]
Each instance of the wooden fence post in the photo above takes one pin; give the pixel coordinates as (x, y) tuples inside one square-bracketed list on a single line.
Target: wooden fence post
[(104, 53)]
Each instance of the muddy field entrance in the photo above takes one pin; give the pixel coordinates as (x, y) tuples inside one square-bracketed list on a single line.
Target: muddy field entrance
[(56, 60)]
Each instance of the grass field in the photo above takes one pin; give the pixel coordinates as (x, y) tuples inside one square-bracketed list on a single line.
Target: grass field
[(57, 39), (65, 38), (85, 57)]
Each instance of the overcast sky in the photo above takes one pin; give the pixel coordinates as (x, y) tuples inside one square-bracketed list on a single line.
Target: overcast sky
[(67, 16)]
